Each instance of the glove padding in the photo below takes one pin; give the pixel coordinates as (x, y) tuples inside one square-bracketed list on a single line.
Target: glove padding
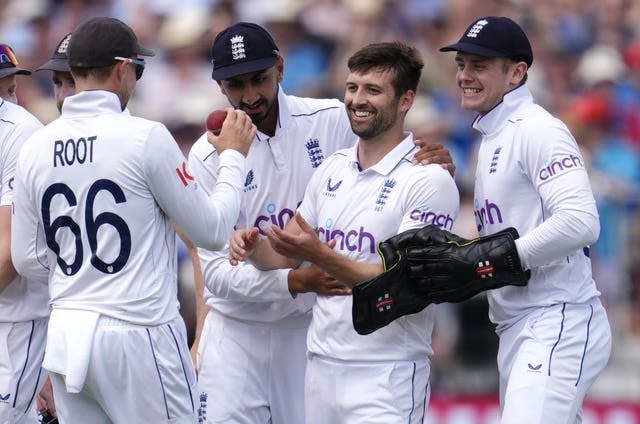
[(453, 269), (431, 265)]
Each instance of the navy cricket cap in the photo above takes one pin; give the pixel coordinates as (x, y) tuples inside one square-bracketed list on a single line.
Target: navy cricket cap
[(494, 36), (240, 49), (97, 41), (9, 62), (60, 59)]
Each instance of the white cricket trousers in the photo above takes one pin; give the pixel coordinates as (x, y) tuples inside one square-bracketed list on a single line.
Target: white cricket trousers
[(21, 374), (136, 374), (549, 360), (252, 373), (351, 392)]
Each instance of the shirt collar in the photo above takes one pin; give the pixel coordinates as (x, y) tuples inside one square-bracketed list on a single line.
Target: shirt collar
[(494, 120), (403, 151), (91, 102)]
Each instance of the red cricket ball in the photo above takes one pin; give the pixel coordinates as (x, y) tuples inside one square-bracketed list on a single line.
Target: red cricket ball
[(215, 120)]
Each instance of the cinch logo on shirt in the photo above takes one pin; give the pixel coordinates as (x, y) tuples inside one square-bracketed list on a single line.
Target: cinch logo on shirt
[(279, 218), (352, 240), (315, 152), (429, 217), (560, 165), (489, 213)]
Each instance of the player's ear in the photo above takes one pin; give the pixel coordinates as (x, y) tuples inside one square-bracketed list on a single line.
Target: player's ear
[(280, 68), (406, 101)]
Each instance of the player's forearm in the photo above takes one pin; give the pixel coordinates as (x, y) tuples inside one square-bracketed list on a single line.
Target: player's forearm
[(346, 270), (264, 258)]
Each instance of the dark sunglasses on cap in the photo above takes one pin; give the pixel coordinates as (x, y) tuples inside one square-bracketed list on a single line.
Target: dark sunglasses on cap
[(138, 62)]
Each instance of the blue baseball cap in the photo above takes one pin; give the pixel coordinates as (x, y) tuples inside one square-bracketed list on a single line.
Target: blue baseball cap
[(240, 49), (494, 36)]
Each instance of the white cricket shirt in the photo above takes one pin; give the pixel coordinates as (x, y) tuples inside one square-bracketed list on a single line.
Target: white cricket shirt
[(276, 175), (530, 175), (104, 187), (22, 300), (361, 209)]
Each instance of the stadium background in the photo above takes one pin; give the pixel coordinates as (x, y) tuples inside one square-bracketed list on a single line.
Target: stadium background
[(586, 70)]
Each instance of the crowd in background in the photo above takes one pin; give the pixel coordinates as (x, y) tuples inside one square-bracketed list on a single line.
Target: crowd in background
[(586, 70)]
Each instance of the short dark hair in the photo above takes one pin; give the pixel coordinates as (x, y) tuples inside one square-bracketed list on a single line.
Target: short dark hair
[(405, 60), (101, 74)]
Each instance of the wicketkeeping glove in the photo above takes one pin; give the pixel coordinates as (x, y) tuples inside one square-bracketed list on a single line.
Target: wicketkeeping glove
[(431, 265)]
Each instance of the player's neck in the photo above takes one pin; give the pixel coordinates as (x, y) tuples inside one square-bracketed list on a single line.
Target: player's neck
[(372, 150)]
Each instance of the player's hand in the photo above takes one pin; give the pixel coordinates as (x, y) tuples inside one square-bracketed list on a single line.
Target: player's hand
[(433, 153), (44, 400), (314, 279), (242, 244), (305, 246), (237, 132)]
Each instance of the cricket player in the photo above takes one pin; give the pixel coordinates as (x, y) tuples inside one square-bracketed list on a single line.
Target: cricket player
[(357, 198), (102, 187), (63, 83), (554, 333), (24, 309), (8, 71)]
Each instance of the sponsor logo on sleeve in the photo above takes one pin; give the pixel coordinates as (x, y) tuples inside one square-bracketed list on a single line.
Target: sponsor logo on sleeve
[(559, 166), (184, 175)]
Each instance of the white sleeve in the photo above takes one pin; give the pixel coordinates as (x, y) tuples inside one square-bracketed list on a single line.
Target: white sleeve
[(242, 282), (573, 223), (28, 246), (566, 195), (207, 220)]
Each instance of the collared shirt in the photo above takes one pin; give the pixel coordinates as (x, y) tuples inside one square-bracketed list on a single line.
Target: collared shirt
[(22, 300), (530, 175), (361, 209), (104, 187), (276, 175)]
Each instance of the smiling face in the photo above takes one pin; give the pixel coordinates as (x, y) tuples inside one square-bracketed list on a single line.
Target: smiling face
[(485, 80), (372, 104)]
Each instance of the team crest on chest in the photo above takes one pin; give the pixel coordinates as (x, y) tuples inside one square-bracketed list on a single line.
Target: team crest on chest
[(315, 152), (494, 160), (381, 200)]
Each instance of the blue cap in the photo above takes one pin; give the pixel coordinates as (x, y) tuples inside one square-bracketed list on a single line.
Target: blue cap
[(494, 36), (240, 49)]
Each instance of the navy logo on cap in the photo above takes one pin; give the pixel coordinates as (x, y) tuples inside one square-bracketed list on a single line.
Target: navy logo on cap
[(476, 28), (237, 47)]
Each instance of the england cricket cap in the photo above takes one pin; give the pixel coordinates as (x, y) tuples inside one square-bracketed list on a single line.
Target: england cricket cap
[(98, 41), (242, 48), (494, 36), (60, 59), (9, 62)]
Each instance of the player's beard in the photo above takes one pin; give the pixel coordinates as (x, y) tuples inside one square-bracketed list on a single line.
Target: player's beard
[(383, 120), (258, 118)]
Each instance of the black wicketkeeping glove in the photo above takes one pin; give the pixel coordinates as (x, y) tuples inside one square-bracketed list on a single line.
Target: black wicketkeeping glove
[(431, 265)]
